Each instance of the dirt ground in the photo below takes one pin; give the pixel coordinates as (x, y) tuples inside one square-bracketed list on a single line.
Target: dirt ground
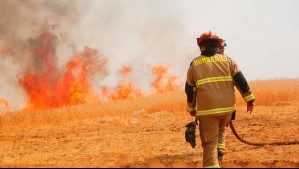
[(150, 140)]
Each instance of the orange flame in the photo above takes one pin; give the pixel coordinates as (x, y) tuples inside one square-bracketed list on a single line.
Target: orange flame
[(76, 80), (5, 104), (125, 70), (3, 50), (50, 88), (163, 81), (126, 89), (47, 86)]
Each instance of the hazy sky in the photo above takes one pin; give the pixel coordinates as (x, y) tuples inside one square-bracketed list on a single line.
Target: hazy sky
[(262, 36)]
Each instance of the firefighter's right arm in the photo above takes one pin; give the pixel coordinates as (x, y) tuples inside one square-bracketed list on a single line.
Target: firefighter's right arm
[(190, 90)]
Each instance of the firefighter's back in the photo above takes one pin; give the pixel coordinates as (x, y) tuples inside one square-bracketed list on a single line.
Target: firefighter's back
[(214, 84)]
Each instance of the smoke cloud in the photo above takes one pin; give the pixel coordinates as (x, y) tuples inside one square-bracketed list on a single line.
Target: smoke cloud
[(19, 22), (132, 33)]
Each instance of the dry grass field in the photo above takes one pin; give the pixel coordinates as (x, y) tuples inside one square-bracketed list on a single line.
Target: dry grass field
[(148, 132)]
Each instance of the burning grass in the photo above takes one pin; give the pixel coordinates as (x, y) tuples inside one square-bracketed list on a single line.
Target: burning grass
[(49, 86), (171, 101), (58, 95), (268, 93)]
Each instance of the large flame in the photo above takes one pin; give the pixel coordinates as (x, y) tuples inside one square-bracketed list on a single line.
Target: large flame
[(163, 81), (49, 87)]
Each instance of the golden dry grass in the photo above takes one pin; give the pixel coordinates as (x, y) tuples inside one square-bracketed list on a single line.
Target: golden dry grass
[(148, 132), (273, 92)]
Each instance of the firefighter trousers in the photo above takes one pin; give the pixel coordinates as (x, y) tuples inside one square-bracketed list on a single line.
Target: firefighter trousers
[(212, 135)]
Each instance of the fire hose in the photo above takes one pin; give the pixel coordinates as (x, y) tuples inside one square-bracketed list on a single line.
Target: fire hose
[(259, 143), (191, 138)]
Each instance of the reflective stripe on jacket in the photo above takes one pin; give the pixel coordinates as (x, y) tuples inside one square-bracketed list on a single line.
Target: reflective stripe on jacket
[(210, 85)]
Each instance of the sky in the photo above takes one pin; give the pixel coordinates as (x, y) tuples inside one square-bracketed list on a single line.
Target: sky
[(262, 36)]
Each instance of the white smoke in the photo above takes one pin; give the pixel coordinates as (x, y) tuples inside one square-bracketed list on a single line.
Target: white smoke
[(136, 33), (20, 21)]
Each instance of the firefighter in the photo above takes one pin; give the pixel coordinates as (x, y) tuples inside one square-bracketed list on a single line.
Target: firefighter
[(210, 94)]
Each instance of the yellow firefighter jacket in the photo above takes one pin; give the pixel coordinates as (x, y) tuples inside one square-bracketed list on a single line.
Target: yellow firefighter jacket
[(210, 85)]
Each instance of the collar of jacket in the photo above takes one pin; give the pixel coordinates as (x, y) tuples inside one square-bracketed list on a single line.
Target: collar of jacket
[(209, 52)]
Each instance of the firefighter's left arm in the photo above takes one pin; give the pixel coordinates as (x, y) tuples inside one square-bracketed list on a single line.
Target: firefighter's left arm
[(190, 90), (243, 87), (241, 84)]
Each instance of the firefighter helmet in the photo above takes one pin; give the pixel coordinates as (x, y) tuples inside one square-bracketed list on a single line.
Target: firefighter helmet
[(209, 36)]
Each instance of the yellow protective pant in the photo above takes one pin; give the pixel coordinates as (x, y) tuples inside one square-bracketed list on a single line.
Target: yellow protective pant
[(212, 135)]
